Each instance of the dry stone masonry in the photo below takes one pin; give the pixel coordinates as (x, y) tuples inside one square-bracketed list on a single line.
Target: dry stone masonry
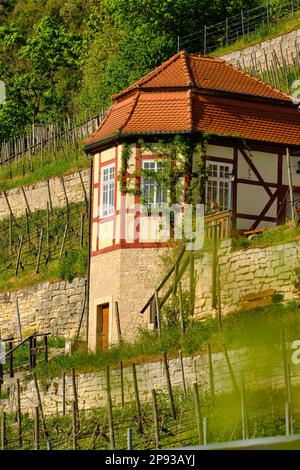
[(37, 194), (91, 387), (285, 46), (247, 271), (46, 307)]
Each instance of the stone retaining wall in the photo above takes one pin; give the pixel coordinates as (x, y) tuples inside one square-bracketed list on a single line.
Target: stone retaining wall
[(286, 47), (46, 307), (247, 271), (37, 194), (91, 387)]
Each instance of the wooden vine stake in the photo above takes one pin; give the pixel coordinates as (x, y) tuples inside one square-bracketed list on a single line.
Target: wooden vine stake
[(157, 310), (122, 384), (36, 428), (19, 415), (64, 241), (39, 251), (75, 398), (211, 371), (44, 425), (19, 254), (118, 322), (74, 425), (155, 419), (198, 413), (182, 373), (137, 399), (181, 315), (3, 431), (236, 389), (169, 386), (109, 411)]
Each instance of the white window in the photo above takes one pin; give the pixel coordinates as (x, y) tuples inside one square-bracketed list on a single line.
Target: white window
[(107, 191), (218, 189), (153, 190)]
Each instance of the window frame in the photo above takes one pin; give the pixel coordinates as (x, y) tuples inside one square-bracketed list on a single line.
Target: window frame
[(107, 210), (220, 179), (163, 191)]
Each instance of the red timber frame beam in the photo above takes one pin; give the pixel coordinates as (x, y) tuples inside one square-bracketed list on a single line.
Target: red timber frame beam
[(278, 194)]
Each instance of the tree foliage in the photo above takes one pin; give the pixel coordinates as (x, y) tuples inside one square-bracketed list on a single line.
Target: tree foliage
[(62, 56)]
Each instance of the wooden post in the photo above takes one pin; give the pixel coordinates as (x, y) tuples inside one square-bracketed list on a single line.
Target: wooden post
[(109, 411), (198, 413), (39, 251), (137, 399), (117, 313), (285, 368), (30, 353), (211, 371), (19, 254), (49, 195), (46, 348), (219, 298), (36, 428), (204, 431), (10, 241), (288, 162), (230, 369), (66, 198), (19, 414), (174, 290), (287, 419), (27, 229), (173, 412), (244, 412), (3, 431), (155, 419), (75, 398), (129, 439), (10, 360), (157, 310), (45, 431), (18, 320), (81, 230), (48, 232), (63, 386), (192, 284), (182, 374), (64, 241), (214, 265), (74, 425), (122, 384), (182, 326)]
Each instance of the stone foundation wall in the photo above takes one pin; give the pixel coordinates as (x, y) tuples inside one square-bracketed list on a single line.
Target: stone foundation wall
[(37, 194), (247, 271), (286, 47), (46, 307), (128, 276), (91, 387)]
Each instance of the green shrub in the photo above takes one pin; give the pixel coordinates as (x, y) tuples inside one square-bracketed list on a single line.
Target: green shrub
[(73, 265)]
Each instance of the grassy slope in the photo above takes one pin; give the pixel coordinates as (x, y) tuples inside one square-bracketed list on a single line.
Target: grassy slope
[(261, 327), (50, 268), (286, 233), (43, 169), (262, 34)]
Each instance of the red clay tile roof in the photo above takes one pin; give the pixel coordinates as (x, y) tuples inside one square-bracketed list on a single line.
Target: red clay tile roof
[(194, 93)]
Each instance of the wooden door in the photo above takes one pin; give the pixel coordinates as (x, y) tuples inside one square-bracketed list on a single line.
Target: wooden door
[(102, 326)]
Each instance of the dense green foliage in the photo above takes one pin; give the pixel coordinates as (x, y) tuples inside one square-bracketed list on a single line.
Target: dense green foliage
[(59, 57)]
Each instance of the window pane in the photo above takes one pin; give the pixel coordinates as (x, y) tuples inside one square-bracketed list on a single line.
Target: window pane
[(108, 190)]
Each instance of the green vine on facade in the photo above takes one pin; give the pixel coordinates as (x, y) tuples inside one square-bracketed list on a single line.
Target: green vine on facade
[(177, 155)]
